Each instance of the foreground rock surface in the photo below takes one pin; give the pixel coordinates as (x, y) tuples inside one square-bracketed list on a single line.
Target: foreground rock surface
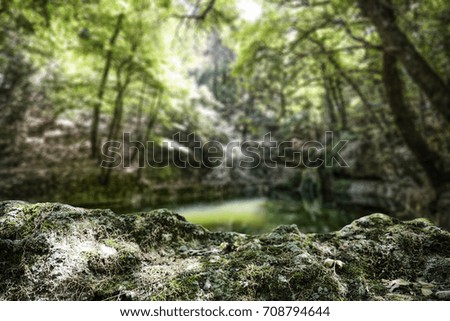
[(57, 252)]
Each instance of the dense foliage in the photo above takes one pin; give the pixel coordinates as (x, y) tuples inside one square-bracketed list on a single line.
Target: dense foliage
[(371, 71)]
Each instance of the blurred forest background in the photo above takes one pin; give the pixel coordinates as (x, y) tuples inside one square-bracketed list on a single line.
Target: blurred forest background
[(77, 73)]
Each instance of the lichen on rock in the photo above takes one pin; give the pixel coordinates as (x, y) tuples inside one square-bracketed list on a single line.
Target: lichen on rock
[(52, 251)]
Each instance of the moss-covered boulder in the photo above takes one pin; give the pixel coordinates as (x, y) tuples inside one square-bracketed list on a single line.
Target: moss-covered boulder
[(57, 252)]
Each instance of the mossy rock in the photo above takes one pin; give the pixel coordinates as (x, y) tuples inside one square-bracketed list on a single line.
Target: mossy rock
[(52, 251)]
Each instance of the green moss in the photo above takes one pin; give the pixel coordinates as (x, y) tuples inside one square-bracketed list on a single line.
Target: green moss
[(54, 251), (183, 287)]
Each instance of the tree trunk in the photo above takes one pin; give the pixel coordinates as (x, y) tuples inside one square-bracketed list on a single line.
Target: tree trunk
[(396, 43), (330, 106), (116, 121), (336, 91), (143, 137), (101, 89), (152, 118), (404, 116)]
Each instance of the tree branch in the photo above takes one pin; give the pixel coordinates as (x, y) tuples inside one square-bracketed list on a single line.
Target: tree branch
[(200, 17), (349, 32), (396, 43)]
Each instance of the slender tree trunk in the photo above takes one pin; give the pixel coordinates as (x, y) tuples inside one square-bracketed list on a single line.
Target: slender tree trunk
[(329, 102), (101, 89), (138, 130), (282, 102), (328, 99), (336, 91), (152, 118), (141, 106), (396, 43), (144, 134), (115, 121)]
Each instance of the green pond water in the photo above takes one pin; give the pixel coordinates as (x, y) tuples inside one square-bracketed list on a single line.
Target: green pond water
[(258, 215)]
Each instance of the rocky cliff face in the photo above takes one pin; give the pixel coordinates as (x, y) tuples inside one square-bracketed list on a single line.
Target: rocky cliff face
[(58, 252)]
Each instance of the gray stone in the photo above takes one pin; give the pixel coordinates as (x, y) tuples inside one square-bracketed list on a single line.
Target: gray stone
[(52, 251), (443, 295)]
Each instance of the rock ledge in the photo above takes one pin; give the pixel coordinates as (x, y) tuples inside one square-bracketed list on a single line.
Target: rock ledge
[(52, 251)]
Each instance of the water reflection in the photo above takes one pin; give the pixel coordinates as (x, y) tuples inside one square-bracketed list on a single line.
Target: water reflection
[(258, 215)]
